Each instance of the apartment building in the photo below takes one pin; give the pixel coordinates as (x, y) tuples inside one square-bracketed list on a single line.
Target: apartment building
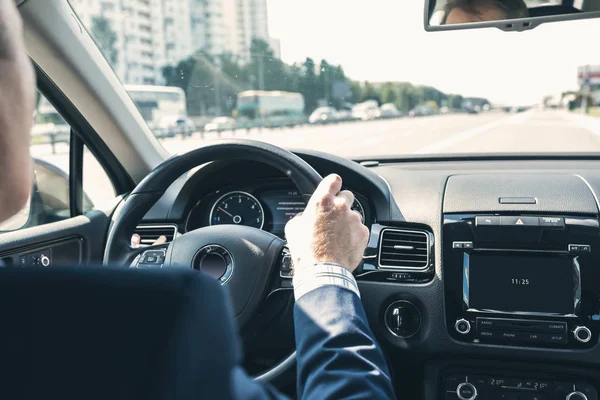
[(150, 34)]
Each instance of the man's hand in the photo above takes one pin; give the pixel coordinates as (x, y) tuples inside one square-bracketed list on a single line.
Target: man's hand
[(136, 240), (328, 230)]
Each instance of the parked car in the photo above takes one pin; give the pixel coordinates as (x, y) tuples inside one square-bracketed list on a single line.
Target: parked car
[(389, 110), (343, 115), (366, 111), (322, 115), (220, 124), (421, 111)]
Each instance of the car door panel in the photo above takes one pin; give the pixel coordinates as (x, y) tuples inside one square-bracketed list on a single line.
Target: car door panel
[(78, 240)]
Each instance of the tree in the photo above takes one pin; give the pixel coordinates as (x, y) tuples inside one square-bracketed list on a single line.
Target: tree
[(390, 95), (308, 85), (369, 93), (106, 39)]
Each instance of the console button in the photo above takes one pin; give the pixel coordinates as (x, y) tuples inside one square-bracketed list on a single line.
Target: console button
[(462, 326), (558, 222), (555, 338), (520, 221), (466, 391), (457, 245), (485, 220), (576, 396), (582, 334)]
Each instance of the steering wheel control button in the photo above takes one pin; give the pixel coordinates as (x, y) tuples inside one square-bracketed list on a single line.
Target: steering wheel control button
[(286, 267), (403, 319), (466, 391), (576, 396), (519, 221), (582, 334), (152, 259), (216, 261), (462, 326), (555, 222), (485, 220)]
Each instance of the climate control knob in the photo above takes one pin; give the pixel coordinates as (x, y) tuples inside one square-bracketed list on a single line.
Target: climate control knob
[(576, 396), (466, 391), (462, 326), (582, 334)]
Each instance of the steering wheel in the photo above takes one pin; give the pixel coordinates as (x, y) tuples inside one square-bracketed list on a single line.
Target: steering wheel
[(243, 258)]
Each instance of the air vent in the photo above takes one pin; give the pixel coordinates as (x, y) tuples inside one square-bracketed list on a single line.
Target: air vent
[(404, 249), (149, 233)]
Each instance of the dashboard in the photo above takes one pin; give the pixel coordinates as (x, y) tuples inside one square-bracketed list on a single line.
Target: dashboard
[(266, 205), (480, 279)]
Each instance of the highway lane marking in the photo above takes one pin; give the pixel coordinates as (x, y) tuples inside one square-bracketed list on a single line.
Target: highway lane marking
[(471, 133)]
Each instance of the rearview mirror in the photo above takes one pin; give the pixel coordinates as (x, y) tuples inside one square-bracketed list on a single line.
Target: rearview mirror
[(507, 15)]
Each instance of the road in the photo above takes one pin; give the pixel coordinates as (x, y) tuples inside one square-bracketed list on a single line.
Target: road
[(531, 131)]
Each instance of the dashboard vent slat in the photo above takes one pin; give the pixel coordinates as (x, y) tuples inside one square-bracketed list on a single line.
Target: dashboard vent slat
[(150, 233), (403, 249)]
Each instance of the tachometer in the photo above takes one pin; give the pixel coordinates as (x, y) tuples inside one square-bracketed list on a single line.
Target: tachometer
[(238, 208)]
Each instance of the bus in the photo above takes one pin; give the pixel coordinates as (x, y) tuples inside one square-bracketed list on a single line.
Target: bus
[(162, 107), (269, 108)]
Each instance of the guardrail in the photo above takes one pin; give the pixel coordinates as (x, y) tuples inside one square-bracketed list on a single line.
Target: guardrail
[(55, 137)]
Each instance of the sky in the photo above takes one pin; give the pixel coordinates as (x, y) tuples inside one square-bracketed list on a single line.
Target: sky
[(384, 40)]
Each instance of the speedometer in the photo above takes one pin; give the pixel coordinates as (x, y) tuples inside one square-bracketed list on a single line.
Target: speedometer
[(238, 208), (358, 207)]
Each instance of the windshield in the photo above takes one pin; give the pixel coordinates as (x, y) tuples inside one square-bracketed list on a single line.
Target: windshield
[(269, 64)]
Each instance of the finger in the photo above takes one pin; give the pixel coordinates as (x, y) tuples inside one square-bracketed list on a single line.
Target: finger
[(135, 240), (329, 187), (347, 196), (292, 223), (161, 240)]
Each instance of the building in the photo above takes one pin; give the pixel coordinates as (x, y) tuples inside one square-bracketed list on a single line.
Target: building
[(140, 37), (207, 24)]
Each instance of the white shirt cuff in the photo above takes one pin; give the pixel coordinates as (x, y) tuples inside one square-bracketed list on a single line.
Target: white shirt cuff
[(311, 277)]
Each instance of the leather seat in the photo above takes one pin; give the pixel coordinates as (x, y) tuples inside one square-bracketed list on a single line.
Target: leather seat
[(101, 333)]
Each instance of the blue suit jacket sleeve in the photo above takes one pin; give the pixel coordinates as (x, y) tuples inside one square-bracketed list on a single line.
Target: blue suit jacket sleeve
[(338, 357)]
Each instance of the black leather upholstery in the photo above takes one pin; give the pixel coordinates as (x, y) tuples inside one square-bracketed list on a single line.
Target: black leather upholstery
[(101, 333)]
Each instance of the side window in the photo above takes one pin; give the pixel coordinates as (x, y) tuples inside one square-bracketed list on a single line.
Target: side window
[(51, 153)]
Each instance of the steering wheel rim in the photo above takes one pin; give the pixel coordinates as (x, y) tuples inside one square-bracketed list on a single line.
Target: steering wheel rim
[(118, 249)]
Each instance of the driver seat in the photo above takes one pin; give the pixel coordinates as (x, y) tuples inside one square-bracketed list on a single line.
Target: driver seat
[(106, 333)]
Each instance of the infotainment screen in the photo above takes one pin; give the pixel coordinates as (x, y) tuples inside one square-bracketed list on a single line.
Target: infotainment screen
[(521, 283)]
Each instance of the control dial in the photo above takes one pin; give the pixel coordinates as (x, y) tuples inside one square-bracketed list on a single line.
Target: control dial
[(403, 319), (582, 334), (462, 326), (576, 396), (466, 391)]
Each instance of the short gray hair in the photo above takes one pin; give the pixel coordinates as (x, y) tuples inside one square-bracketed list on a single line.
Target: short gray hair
[(512, 8)]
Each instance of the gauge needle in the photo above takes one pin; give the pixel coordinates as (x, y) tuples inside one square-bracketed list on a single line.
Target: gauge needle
[(219, 208)]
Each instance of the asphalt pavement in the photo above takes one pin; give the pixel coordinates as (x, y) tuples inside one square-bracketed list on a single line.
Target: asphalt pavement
[(491, 132)]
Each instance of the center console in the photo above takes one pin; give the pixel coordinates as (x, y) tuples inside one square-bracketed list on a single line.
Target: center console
[(522, 279)]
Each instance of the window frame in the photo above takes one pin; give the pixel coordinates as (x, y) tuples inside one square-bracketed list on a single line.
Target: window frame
[(82, 134)]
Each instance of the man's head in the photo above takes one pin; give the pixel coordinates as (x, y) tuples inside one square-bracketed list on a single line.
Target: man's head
[(17, 97), (465, 11)]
